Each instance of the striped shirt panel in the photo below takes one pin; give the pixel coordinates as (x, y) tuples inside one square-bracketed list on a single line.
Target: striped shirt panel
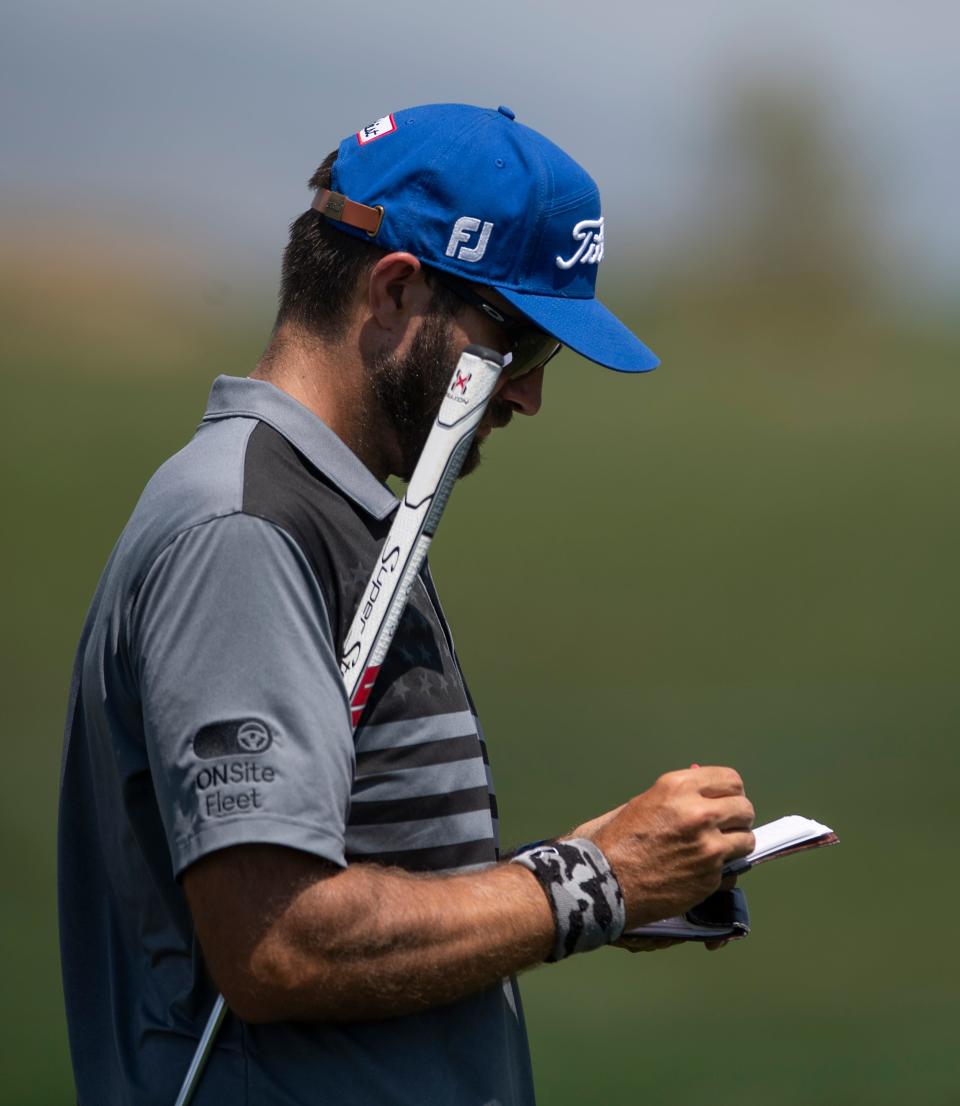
[(405, 784), (421, 833), (459, 857), (421, 791), (410, 731)]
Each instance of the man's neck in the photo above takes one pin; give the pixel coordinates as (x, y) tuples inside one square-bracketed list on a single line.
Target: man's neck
[(331, 381)]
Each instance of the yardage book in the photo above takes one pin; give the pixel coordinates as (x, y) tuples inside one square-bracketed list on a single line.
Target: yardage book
[(725, 913)]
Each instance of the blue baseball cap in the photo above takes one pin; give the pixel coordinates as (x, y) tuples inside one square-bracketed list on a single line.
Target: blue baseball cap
[(474, 193)]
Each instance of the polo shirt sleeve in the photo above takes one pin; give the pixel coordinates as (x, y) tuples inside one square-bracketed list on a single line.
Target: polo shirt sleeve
[(245, 715)]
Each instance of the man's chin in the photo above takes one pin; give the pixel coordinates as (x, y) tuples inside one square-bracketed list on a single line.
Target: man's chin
[(473, 458), (498, 416)]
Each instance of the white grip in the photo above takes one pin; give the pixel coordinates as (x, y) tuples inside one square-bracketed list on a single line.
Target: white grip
[(405, 548)]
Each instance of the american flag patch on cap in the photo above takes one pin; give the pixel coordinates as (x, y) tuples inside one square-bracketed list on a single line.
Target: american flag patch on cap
[(386, 125)]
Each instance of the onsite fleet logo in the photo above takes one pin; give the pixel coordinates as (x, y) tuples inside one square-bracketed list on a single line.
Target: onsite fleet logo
[(253, 736), (235, 784), (589, 233)]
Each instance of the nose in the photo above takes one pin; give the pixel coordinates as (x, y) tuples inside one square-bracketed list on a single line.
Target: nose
[(525, 394)]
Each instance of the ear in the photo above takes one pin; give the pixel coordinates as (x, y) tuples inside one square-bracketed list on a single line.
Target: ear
[(397, 292)]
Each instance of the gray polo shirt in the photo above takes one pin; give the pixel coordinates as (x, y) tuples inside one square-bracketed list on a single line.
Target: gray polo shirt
[(207, 710)]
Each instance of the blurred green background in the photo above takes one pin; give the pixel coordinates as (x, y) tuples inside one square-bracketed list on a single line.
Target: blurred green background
[(748, 557)]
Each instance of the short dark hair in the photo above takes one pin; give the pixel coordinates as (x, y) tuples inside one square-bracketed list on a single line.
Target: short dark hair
[(322, 266)]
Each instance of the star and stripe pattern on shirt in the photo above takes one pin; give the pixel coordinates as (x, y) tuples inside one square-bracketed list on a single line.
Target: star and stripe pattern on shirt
[(422, 797)]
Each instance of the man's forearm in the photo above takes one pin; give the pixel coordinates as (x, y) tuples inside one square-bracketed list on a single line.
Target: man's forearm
[(288, 935), (372, 942)]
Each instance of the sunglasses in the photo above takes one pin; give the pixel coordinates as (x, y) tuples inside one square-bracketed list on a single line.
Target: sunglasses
[(531, 348)]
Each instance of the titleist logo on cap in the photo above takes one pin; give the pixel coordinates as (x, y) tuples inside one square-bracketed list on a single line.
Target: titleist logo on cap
[(589, 233)]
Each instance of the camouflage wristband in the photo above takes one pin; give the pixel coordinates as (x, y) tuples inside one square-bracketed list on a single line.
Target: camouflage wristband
[(583, 892)]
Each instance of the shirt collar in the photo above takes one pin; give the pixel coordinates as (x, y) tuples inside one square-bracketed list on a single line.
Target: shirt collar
[(240, 397)]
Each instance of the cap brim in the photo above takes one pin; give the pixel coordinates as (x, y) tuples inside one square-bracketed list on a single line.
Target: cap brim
[(588, 328)]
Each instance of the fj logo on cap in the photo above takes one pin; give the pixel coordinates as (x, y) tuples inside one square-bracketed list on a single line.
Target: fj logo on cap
[(463, 230), (386, 125), (589, 233)]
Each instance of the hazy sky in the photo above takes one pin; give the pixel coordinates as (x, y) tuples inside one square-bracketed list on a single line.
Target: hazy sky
[(212, 114)]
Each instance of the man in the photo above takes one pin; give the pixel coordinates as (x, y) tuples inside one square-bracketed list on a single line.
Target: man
[(221, 826)]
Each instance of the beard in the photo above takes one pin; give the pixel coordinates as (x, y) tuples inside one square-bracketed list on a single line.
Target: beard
[(410, 388)]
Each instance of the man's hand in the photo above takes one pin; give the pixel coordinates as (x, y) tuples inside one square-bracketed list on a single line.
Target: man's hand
[(668, 846), (646, 944), (654, 944)]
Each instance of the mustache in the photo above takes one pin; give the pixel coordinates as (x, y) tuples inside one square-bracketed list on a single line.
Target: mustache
[(499, 413)]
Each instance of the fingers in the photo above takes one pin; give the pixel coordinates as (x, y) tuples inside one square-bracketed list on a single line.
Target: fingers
[(737, 844), (711, 782), (733, 813), (714, 782), (645, 944), (655, 944)]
